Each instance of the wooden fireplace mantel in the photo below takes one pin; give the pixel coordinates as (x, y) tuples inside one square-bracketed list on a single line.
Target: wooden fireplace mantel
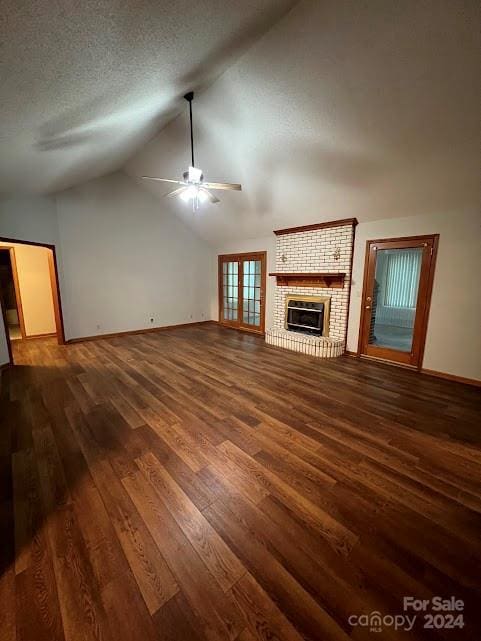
[(310, 279)]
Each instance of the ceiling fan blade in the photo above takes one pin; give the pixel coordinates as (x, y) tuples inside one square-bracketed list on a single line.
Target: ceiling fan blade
[(234, 186), (176, 192), (212, 199), (164, 180)]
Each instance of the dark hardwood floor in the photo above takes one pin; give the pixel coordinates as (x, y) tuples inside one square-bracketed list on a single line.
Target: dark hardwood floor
[(196, 484)]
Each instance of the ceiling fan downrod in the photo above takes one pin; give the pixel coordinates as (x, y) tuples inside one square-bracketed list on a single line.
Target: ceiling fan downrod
[(190, 97), (193, 188)]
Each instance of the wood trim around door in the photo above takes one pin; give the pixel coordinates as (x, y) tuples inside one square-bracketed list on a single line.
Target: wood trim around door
[(260, 255), (415, 357), (57, 307), (7, 337), (16, 287), (53, 269)]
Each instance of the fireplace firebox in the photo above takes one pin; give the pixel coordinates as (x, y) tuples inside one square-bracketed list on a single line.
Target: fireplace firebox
[(308, 314)]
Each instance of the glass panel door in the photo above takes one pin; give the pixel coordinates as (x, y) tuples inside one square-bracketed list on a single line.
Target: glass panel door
[(397, 290), (230, 289), (394, 300), (242, 283), (251, 293)]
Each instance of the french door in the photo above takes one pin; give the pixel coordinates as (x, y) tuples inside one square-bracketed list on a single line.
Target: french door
[(242, 287), (398, 280)]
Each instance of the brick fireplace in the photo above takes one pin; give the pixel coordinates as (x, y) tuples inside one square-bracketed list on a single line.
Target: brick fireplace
[(313, 271)]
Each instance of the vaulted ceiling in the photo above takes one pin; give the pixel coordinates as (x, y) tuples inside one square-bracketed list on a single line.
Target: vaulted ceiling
[(343, 109), (322, 109), (84, 84)]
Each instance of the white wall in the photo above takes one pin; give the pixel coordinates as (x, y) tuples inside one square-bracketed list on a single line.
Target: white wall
[(453, 342), (122, 259), (125, 261), (29, 217), (35, 288)]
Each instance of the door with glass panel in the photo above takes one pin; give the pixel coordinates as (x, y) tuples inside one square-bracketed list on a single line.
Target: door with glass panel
[(396, 295), (242, 284)]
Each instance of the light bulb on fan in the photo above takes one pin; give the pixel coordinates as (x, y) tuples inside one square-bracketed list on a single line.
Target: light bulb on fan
[(190, 193), (194, 189)]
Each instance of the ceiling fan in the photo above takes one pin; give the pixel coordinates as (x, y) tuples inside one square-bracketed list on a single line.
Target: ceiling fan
[(193, 186)]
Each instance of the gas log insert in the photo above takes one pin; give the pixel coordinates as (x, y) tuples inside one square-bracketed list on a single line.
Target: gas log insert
[(308, 314)]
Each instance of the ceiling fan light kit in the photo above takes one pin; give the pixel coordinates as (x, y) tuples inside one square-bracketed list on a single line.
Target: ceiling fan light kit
[(193, 188)]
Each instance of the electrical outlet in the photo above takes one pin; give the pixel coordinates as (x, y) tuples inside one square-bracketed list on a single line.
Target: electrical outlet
[(98, 326), (151, 320)]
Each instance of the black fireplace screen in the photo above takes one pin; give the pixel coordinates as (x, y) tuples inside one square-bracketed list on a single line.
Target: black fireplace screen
[(304, 316)]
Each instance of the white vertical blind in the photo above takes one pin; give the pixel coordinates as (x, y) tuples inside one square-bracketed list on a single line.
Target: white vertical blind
[(402, 278)]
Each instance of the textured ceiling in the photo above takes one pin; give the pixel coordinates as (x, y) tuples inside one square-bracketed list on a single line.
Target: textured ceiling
[(343, 108), (83, 84)]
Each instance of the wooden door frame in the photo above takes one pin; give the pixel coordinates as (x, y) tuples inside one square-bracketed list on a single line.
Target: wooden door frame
[(7, 337), (239, 257), (422, 322), (16, 287), (54, 282)]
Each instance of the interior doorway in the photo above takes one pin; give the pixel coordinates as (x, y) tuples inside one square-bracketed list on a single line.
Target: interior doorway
[(242, 291), (29, 292), (10, 294), (398, 278)]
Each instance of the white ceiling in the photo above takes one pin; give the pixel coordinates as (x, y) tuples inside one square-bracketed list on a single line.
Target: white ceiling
[(84, 84), (343, 108), (322, 109)]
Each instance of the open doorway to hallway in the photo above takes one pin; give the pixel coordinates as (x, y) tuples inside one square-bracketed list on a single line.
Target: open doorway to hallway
[(10, 295), (29, 293)]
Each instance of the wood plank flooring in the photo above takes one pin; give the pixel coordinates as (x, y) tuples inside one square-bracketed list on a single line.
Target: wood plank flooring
[(198, 485)]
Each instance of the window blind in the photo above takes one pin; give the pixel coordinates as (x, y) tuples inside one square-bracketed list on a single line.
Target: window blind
[(402, 278)]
